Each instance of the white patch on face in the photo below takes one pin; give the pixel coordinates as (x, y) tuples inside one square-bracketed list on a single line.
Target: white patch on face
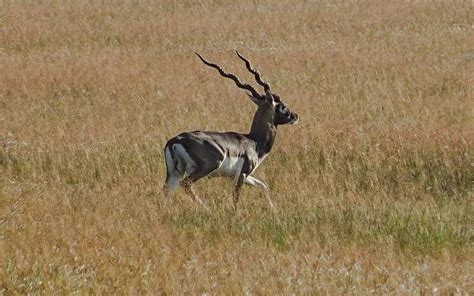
[(283, 111)]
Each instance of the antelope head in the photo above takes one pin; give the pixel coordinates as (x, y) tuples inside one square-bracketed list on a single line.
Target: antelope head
[(270, 106)]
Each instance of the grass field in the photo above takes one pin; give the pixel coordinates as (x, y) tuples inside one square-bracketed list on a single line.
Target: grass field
[(373, 188)]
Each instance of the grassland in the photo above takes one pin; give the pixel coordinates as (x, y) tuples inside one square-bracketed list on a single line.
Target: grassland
[(374, 187)]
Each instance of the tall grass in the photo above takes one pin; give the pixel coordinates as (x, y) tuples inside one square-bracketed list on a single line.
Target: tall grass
[(373, 188)]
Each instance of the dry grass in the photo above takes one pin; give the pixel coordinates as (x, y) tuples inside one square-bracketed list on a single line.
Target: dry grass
[(374, 188)]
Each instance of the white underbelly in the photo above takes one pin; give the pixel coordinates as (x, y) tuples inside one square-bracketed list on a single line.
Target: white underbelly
[(230, 167)]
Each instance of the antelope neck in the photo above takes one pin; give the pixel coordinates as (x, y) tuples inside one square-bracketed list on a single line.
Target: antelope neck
[(263, 132)]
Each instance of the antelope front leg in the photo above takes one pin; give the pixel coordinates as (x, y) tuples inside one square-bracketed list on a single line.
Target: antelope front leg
[(254, 181), (238, 188)]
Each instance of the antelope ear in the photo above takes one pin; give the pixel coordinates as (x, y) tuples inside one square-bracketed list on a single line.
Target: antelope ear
[(257, 101), (276, 98), (269, 97)]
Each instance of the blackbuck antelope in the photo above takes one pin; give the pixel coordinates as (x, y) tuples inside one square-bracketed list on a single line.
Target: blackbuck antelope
[(191, 156)]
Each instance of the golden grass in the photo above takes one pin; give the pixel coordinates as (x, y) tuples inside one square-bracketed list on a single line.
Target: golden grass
[(373, 187)]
